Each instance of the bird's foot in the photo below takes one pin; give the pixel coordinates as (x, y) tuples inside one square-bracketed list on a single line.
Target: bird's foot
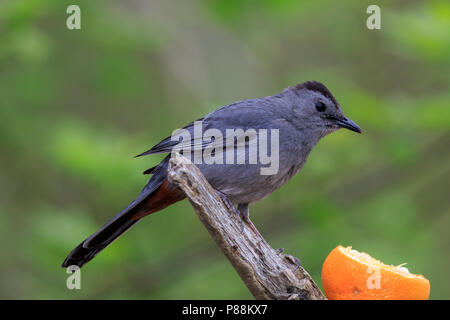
[(250, 224), (241, 212), (293, 260), (245, 216), (230, 206)]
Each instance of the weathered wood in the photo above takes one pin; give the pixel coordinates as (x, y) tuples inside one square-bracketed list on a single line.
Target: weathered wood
[(267, 273)]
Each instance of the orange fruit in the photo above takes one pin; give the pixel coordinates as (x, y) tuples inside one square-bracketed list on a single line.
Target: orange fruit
[(351, 275)]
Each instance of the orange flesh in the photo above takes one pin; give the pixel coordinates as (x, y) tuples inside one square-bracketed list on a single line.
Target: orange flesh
[(366, 259), (351, 275)]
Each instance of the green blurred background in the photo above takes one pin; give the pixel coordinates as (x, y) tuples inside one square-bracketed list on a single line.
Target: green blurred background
[(75, 106)]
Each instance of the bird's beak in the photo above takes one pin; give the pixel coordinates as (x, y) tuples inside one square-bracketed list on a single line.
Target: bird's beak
[(348, 124)]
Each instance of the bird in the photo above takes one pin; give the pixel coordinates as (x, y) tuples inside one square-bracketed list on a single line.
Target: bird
[(300, 116)]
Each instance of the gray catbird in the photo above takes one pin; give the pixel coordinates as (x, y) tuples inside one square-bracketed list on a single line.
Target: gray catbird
[(301, 116)]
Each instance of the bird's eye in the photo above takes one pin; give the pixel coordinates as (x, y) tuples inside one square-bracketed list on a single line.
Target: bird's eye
[(320, 106)]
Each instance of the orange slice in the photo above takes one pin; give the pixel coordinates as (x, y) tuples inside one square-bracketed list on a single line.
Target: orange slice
[(351, 275)]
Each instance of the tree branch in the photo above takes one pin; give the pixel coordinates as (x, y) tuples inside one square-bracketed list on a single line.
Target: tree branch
[(267, 273)]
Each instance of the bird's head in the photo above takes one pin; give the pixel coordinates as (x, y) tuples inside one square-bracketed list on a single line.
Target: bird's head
[(316, 109)]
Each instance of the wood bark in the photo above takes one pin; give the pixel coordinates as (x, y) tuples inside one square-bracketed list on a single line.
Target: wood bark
[(267, 273)]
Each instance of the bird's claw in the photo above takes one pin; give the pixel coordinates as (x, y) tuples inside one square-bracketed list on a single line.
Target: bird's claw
[(250, 224), (228, 203), (293, 260), (242, 217)]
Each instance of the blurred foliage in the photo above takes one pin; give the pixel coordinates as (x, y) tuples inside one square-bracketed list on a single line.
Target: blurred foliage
[(75, 106)]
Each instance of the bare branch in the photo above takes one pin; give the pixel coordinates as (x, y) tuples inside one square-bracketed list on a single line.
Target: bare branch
[(267, 273)]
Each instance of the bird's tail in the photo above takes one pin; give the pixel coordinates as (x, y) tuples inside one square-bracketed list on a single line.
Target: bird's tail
[(86, 251), (156, 196)]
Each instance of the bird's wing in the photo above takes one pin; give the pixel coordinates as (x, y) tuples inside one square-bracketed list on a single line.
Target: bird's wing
[(244, 115), (166, 145)]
